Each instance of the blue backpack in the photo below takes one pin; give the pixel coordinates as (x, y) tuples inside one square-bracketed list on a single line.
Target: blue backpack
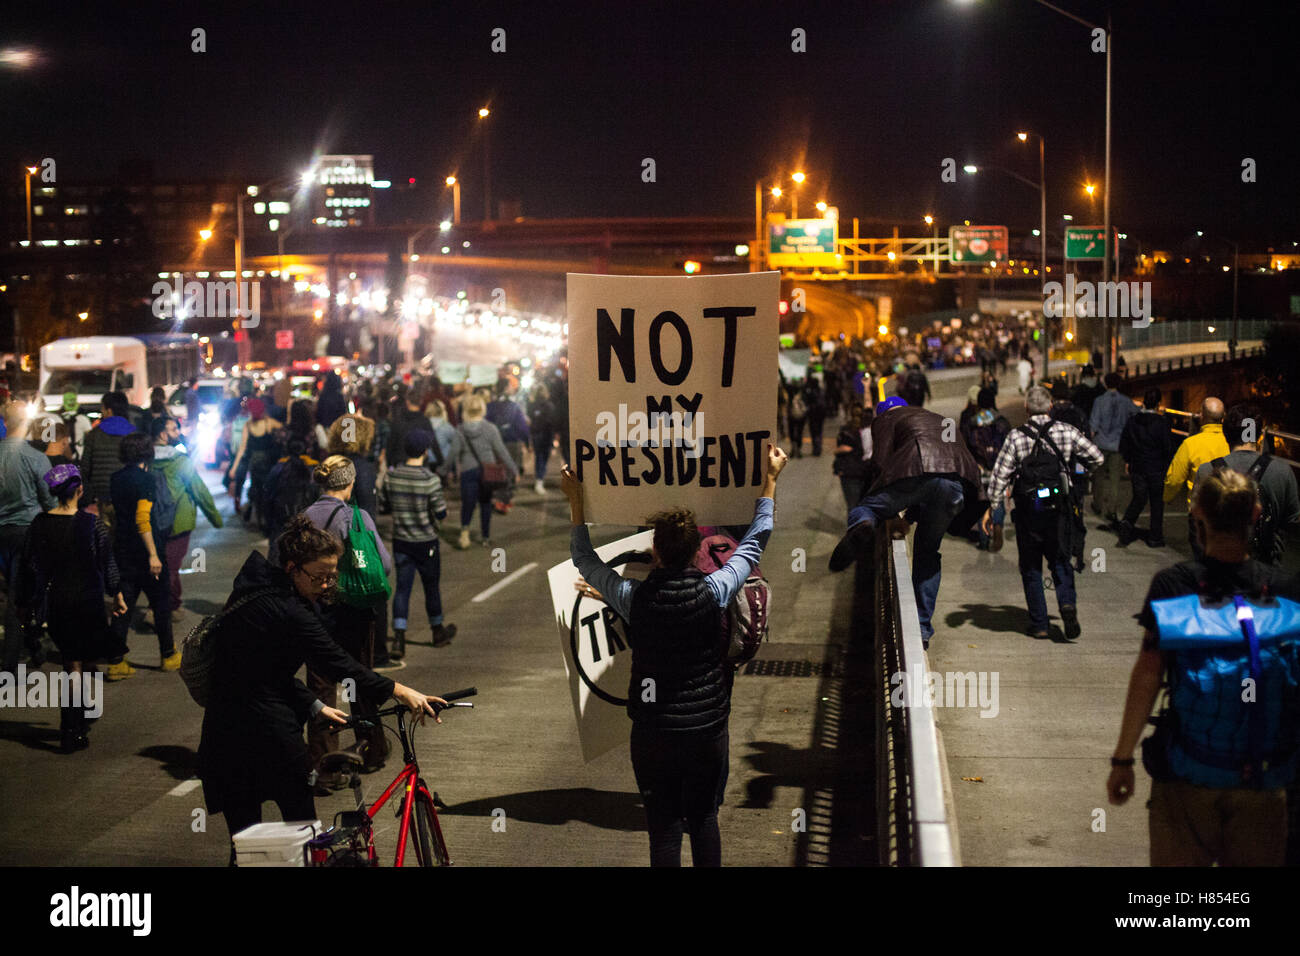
[(1233, 717)]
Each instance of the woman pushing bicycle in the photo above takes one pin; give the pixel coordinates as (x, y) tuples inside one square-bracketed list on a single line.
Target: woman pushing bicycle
[(252, 746)]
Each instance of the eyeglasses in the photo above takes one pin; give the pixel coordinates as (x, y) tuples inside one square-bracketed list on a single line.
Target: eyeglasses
[(323, 580)]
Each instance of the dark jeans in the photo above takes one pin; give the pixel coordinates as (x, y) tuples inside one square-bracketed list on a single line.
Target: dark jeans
[(178, 549), (796, 436), (1039, 538), (1148, 488), (11, 546), (474, 492), (931, 501), (420, 558), (815, 424), (682, 775), (852, 488), (136, 581), (542, 452)]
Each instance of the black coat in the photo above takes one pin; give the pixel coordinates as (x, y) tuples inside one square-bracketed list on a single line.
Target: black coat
[(1147, 443), (909, 442), (252, 743)]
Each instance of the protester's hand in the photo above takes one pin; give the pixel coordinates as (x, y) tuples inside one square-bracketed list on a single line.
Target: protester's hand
[(420, 704), (776, 460), (570, 484), (119, 605), (155, 565), (986, 522), (334, 714), (586, 590), (1120, 785)]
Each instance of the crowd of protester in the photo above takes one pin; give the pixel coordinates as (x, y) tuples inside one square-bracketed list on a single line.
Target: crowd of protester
[(95, 513)]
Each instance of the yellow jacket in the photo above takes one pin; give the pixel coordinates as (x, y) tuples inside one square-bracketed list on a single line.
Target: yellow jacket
[(1206, 445)]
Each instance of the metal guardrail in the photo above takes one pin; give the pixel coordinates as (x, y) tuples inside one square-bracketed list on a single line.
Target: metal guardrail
[(912, 820), (1186, 332)]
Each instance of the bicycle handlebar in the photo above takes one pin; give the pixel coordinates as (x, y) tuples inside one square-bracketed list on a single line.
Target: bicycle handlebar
[(364, 723)]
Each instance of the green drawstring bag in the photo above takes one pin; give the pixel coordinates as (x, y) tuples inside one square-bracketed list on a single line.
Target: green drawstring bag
[(362, 581)]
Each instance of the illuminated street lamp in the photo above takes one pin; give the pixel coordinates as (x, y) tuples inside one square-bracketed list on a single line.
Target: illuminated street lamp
[(454, 183), (794, 194), (31, 171), (483, 114), (205, 234), (821, 205), (929, 221)]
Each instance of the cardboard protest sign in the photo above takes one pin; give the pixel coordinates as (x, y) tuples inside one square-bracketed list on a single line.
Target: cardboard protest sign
[(597, 655), (672, 392)]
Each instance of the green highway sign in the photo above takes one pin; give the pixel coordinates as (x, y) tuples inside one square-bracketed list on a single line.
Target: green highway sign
[(1085, 242), (802, 242), (978, 243)]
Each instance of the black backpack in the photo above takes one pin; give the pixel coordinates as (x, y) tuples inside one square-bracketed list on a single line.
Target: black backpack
[(1265, 542), (294, 492), (1042, 482)]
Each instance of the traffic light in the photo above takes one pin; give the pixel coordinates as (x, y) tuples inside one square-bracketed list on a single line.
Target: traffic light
[(691, 267)]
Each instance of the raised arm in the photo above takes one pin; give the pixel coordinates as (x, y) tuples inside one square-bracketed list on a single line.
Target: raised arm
[(613, 587)]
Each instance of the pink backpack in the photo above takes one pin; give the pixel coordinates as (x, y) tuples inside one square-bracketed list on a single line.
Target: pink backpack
[(745, 623)]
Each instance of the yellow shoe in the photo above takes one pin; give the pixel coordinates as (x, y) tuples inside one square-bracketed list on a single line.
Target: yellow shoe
[(119, 671), (172, 663)]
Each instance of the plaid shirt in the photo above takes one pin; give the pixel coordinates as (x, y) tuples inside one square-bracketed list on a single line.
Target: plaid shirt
[(1069, 440), (414, 494)]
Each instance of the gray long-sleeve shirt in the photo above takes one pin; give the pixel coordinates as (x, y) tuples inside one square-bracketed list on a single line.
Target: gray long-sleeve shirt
[(487, 443), (23, 492)]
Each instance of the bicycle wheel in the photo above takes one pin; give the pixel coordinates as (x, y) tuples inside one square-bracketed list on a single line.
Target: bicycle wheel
[(423, 832)]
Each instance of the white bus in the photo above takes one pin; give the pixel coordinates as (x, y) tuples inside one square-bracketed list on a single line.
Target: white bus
[(96, 364)]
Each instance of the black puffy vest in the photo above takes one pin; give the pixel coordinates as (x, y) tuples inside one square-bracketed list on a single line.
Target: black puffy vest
[(676, 642)]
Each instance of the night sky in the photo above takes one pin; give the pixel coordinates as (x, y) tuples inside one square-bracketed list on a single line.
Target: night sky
[(711, 91)]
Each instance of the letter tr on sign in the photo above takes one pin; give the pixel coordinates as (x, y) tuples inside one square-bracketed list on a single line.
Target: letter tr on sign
[(672, 392)]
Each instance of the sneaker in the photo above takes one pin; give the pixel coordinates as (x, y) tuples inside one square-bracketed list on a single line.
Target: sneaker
[(539, 488), (442, 634), (390, 665), (1126, 534), (1155, 542), (996, 544), (462, 543), (500, 507), (486, 542), (1070, 618), (177, 615), (119, 671), (172, 662)]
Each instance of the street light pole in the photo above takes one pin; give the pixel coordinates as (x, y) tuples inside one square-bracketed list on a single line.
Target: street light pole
[(755, 251), (1109, 356), (483, 114), (31, 171), (244, 347)]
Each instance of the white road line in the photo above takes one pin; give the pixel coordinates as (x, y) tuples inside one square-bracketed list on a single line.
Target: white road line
[(509, 579), (184, 787)]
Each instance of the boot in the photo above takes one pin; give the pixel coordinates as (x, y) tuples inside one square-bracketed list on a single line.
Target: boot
[(442, 634), (398, 650), (72, 729), (1126, 534), (463, 543)]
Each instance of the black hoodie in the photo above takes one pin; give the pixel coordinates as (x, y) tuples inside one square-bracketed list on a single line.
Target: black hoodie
[(252, 743)]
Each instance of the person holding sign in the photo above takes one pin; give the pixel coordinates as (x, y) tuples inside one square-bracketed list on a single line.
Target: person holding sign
[(679, 696)]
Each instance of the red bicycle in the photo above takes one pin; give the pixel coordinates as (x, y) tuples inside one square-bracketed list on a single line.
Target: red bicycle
[(351, 841)]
